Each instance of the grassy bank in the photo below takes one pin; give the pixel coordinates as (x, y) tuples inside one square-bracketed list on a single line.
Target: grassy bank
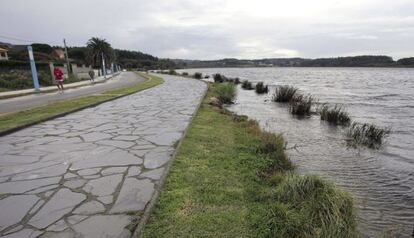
[(230, 179), (33, 115)]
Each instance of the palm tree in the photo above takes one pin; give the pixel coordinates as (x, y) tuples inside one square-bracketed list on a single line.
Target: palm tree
[(98, 47)]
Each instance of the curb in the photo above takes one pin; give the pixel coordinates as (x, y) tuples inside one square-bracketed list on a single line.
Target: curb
[(150, 206), (12, 130)]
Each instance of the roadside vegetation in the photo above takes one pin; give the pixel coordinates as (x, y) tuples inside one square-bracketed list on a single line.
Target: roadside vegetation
[(284, 93), (260, 88), (231, 179), (335, 115), (38, 114), (226, 92)]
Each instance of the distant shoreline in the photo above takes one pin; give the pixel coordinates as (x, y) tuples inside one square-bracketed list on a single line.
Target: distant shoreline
[(365, 61)]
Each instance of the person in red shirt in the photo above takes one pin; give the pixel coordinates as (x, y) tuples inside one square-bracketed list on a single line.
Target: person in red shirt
[(58, 78)]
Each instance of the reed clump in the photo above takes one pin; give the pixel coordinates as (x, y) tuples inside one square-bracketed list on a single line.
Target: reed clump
[(284, 93), (247, 85), (308, 206), (335, 115), (226, 92), (367, 134), (261, 88), (301, 105), (218, 78), (198, 75)]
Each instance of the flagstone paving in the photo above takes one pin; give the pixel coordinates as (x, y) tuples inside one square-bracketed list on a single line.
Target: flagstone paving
[(91, 173)]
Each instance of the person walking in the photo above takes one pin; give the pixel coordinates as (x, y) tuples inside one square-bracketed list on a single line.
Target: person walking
[(58, 78), (91, 75)]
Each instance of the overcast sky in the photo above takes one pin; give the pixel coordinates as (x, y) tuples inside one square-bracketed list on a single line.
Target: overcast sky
[(214, 29)]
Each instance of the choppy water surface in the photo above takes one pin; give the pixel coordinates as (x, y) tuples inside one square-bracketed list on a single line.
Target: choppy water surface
[(382, 181)]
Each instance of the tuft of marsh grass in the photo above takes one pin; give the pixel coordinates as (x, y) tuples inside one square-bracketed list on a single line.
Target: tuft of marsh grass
[(301, 105), (272, 147), (261, 88), (308, 206), (218, 78), (198, 75), (226, 92), (247, 85), (366, 134), (335, 115), (284, 93), (184, 73)]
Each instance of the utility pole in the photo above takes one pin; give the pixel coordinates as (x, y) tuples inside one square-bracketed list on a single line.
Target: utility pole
[(103, 65), (66, 55), (33, 68)]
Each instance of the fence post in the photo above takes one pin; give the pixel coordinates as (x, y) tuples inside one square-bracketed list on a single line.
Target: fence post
[(33, 68)]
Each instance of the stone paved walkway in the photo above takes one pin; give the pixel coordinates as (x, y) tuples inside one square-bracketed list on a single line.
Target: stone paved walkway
[(89, 173)]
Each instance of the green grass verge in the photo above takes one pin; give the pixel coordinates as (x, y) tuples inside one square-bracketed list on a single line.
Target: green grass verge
[(226, 182), (33, 115)]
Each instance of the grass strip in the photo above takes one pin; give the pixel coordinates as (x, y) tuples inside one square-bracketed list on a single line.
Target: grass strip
[(30, 116), (228, 181)]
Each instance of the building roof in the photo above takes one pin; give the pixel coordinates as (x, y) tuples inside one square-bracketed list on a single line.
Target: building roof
[(3, 50)]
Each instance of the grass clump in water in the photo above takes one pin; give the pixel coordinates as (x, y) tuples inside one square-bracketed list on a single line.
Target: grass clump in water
[(284, 93), (218, 78), (366, 134), (198, 75), (335, 115), (301, 105), (261, 88), (226, 92), (247, 85), (308, 206)]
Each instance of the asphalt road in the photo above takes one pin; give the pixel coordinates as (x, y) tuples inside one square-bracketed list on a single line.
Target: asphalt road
[(35, 100)]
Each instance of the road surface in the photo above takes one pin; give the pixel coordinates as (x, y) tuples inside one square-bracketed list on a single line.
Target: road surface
[(34, 100)]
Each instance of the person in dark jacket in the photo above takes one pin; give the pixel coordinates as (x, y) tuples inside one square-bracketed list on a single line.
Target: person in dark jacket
[(92, 75)]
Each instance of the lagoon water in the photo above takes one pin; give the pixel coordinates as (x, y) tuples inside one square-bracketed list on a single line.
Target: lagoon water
[(382, 181)]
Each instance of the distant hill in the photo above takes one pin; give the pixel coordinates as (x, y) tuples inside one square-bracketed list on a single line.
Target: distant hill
[(351, 61)]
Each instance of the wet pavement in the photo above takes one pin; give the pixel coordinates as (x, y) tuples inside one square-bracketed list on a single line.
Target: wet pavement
[(93, 172)]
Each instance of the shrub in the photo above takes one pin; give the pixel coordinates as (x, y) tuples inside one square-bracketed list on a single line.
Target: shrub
[(335, 115), (218, 78), (308, 206), (226, 92), (366, 134), (301, 105), (198, 75), (172, 72), (207, 76), (284, 93), (261, 88), (184, 73), (247, 85), (236, 81)]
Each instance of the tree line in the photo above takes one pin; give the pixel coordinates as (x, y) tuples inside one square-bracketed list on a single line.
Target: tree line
[(92, 53)]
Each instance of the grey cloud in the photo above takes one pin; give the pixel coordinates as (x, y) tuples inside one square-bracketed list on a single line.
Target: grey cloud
[(212, 29)]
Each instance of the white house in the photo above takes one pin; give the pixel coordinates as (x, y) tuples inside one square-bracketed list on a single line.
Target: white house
[(3, 54)]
